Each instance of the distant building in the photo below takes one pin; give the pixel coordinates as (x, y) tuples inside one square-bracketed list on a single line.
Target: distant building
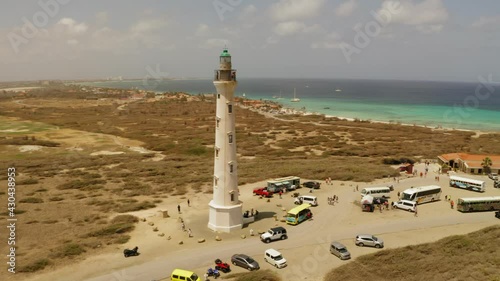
[(469, 163)]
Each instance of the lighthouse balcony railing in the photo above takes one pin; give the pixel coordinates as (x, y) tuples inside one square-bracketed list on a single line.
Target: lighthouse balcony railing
[(225, 75)]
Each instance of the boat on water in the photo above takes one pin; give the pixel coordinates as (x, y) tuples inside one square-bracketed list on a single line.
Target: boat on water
[(338, 90), (295, 99), (277, 97), (244, 95)]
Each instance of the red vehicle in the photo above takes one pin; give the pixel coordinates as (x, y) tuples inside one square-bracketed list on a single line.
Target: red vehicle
[(262, 192), (222, 266)]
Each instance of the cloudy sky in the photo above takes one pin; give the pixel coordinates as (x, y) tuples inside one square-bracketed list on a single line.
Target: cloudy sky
[(408, 39)]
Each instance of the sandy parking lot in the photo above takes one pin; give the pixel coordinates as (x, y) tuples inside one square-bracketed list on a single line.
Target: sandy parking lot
[(306, 250)]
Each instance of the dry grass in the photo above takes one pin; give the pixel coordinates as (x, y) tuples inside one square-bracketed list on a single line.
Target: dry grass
[(470, 257)]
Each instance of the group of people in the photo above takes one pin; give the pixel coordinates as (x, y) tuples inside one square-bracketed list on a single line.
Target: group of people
[(250, 213), (328, 181), (332, 200), (448, 198), (183, 228)]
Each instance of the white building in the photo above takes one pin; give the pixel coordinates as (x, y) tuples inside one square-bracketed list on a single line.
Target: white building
[(225, 208)]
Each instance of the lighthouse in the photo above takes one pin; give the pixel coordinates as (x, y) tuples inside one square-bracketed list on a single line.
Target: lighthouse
[(225, 207)]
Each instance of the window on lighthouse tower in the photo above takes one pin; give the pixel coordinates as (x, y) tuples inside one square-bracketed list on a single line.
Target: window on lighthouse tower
[(230, 136), (230, 108)]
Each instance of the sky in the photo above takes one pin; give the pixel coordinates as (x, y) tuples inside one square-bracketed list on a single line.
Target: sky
[(443, 40)]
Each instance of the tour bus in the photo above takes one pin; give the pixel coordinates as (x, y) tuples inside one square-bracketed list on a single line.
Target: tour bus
[(473, 204), (422, 194), (298, 214), (469, 184), (376, 192), (277, 185)]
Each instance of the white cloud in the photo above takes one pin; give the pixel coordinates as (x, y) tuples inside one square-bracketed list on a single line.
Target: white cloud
[(72, 42), (148, 25), (248, 12), (202, 30), (428, 16), (345, 9), (430, 28), (487, 22), (330, 41), (72, 26), (289, 28), (294, 27), (287, 10), (101, 18)]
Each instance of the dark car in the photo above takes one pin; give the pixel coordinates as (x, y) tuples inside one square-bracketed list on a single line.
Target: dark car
[(311, 184), (497, 214), (244, 261)]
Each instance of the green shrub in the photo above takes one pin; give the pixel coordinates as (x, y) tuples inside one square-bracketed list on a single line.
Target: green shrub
[(68, 250), (31, 200), (35, 266)]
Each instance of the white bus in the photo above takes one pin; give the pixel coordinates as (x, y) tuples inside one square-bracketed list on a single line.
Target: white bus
[(289, 183), (422, 194), (376, 192), (473, 204), (468, 184)]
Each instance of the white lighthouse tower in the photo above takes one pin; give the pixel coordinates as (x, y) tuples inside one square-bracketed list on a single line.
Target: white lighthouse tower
[(225, 208)]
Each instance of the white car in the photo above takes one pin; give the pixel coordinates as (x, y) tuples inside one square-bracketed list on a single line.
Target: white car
[(275, 258), (407, 205)]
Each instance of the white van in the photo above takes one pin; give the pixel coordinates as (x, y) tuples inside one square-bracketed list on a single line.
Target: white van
[(405, 205), (275, 258), (309, 199)]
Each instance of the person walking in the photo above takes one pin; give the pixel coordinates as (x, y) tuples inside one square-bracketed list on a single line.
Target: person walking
[(189, 203), (416, 211), (179, 208), (452, 203)]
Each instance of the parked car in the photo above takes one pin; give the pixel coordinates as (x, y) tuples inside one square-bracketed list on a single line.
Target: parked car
[(262, 192), (407, 205), (244, 261), (339, 250), (493, 176), (275, 233), (497, 214), (368, 240), (275, 258), (497, 184), (311, 184)]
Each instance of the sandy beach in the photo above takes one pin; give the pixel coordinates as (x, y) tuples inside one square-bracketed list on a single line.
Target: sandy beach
[(306, 249)]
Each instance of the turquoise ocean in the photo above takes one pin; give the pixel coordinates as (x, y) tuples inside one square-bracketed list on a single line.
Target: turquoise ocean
[(459, 105)]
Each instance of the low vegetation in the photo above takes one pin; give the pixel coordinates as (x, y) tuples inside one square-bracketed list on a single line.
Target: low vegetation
[(470, 257)]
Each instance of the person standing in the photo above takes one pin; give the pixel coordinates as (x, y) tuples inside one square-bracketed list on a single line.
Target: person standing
[(416, 211), (452, 203), (189, 203), (179, 208)]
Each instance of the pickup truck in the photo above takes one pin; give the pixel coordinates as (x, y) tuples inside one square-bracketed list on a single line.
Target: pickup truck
[(262, 192)]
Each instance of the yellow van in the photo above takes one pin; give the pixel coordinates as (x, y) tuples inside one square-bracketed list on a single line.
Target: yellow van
[(184, 275)]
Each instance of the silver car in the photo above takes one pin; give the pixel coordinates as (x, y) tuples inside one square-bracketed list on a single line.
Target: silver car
[(369, 240), (339, 250), (244, 261)]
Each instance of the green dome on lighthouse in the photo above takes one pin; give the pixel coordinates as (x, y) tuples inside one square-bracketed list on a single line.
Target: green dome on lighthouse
[(225, 53)]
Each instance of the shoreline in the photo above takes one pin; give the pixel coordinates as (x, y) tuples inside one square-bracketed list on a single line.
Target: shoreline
[(288, 110), (285, 110)]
